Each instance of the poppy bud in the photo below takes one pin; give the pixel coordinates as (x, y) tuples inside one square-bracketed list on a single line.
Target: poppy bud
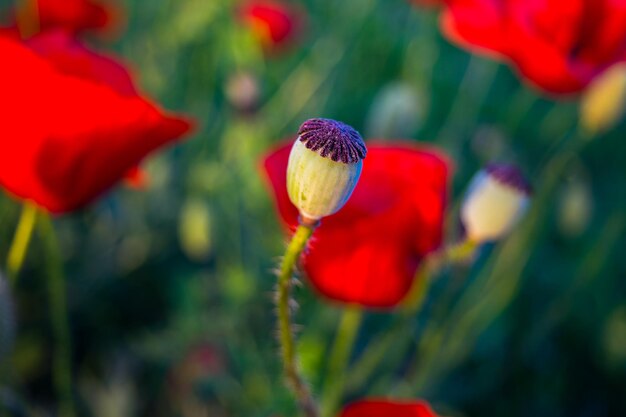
[(602, 104), (496, 200), (195, 229), (396, 112), (575, 207), (324, 166), (243, 92)]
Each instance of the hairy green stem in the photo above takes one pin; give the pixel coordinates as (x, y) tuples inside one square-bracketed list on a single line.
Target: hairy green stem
[(294, 378), (57, 293), (339, 357)]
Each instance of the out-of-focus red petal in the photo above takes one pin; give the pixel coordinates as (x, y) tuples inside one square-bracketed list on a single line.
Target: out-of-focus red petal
[(136, 178), (387, 408), (558, 46), (10, 32), (65, 140), (72, 58), (274, 23), (368, 252), (75, 15), (475, 24)]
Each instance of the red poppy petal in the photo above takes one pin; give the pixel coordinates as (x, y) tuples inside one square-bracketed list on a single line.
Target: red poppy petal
[(74, 15), (278, 22), (66, 140), (609, 43), (489, 28), (557, 46), (477, 22), (72, 58), (136, 178), (385, 408), (275, 23), (368, 252), (376, 273)]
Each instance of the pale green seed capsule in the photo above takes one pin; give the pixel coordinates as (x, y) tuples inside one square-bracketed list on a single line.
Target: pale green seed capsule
[(496, 201), (324, 167)]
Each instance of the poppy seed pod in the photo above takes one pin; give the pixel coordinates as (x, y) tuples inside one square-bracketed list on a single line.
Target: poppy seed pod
[(496, 200), (324, 166), (602, 104)]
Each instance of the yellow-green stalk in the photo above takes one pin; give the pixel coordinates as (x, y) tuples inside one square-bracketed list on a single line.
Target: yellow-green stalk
[(324, 166)]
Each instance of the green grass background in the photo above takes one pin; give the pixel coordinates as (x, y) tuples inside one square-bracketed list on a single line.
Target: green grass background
[(536, 327)]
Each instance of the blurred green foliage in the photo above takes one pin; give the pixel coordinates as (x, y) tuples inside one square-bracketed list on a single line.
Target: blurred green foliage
[(536, 327)]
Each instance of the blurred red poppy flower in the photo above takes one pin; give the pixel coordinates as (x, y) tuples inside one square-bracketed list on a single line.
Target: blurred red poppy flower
[(385, 408), (369, 251), (76, 15), (200, 364), (275, 24), (558, 45), (200, 361), (73, 124)]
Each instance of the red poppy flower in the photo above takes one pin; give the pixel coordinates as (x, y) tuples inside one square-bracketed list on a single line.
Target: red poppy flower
[(72, 124), (75, 15), (275, 24), (368, 252), (384, 408), (558, 45), (199, 362)]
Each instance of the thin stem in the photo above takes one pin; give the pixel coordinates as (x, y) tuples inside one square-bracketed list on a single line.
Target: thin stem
[(460, 252), (305, 83), (21, 240), (376, 351), (457, 253), (469, 100), (398, 335), (443, 346), (295, 380), (589, 269), (27, 18), (62, 355), (338, 362), (522, 103)]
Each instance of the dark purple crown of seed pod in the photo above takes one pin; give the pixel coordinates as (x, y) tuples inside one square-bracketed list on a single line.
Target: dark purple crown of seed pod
[(510, 175), (333, 139)]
